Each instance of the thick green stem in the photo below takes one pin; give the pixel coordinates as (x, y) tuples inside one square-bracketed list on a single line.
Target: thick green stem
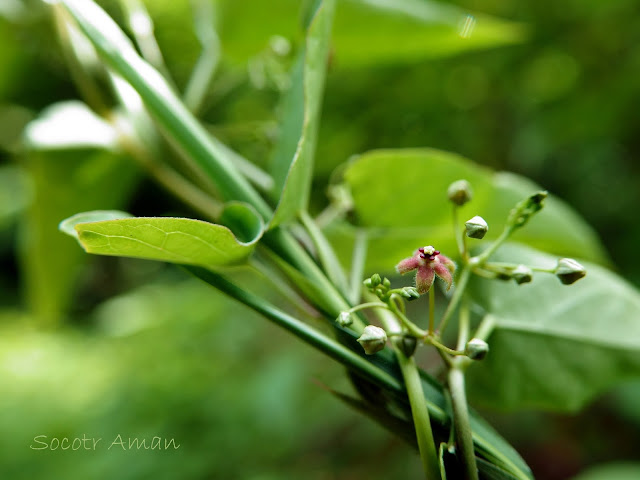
[(420, 414), (419, 411), (464, 438), (303, 331)]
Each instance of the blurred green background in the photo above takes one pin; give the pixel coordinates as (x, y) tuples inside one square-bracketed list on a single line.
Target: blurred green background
[(104, 347)]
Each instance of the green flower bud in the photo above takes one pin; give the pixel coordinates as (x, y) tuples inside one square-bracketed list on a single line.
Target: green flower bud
[(476, 227), (344, 319), (375, 280), (522, 274), (367, 283), (569, 271), (526, 209), (386, 282), (410, 293), (373, 339), (476, 349), (459, 192), (407, 345)]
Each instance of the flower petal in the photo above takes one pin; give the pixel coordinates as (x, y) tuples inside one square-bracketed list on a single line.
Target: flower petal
[(424, 278), (447, 262), (407, 265), (443, 272)]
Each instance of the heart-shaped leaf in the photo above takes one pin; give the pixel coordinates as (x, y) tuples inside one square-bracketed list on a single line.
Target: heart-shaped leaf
[(408, 207), (555, 346)]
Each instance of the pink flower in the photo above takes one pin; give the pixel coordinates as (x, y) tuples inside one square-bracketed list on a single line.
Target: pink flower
[(428, 262)]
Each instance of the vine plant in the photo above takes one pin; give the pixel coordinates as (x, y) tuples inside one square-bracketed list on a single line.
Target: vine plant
[(406, 336), (261, 220)]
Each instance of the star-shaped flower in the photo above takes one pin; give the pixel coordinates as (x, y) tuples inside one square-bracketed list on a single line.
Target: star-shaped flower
[(428, 262)]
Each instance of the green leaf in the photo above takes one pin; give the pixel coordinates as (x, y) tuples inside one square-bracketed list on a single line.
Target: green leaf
[(178, 124), (408, 207), (67, 125), (68, 225), (369, 32), (293, 160), (612, 471), (177, 240), (555, 347), (373, 32)]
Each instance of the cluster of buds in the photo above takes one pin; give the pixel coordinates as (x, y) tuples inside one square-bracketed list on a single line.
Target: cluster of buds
[(381, 287), (527, 208)]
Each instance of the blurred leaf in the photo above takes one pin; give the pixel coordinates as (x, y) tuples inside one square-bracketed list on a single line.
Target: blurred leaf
[(65, 181), (612, 471), (175, 120), (555, 347), (15, 193), (178, 240), (401, 197), (489, 471), (370, 32), (67, 125), (293, 161)]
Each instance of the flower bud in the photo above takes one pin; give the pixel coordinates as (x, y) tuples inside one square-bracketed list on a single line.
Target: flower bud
[(476, 227), (375, 280), (407, 345), (386, 282), (459, 192), (569, 271), (410, 293), (522, 274), (476, 349), (373, 339), (344, 319), (526, 209)]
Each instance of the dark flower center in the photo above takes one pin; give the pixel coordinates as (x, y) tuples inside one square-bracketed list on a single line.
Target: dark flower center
[(430, 256)]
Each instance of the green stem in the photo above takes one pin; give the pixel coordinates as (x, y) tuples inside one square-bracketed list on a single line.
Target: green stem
[(463, 325), (326, 254), (362, 306), (457, 296), (443, 348), (170, 179), (432, 314), (464, 438), (419, 411), (141, 26), (408, 324), (484, 256), (486, 327), (459, 235), (420, 414), (358, 261), (196, 90), (303, 331)]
